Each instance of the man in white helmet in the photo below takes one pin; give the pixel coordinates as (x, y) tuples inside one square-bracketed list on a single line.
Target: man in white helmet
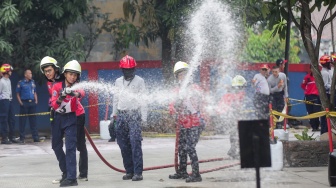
[(187, 108), (65, 102)]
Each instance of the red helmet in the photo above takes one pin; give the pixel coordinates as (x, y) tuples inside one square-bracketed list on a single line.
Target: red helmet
[(5, 68), (325, 59), (127, 62)]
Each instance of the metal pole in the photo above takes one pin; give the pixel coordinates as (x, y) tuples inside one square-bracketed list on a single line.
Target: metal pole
[(289, 21)]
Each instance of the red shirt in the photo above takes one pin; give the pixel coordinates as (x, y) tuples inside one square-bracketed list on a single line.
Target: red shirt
[(309, 86), (69, 104), (229, 101), (186, 118)]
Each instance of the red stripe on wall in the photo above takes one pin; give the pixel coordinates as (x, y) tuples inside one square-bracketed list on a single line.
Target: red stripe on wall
[(93, 67)]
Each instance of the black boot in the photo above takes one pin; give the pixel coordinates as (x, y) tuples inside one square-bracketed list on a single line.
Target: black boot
[(68, 182), (6, 141), (128, 176), (179, 175), (194, 178)]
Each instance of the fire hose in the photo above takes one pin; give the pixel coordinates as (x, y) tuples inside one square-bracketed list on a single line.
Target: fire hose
[(162, 166)]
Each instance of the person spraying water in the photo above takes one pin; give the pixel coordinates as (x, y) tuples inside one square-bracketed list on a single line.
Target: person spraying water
[(186, 107)]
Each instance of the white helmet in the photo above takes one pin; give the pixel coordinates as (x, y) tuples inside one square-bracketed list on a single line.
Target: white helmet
[(48, 61), (72, 66), (180, 66), (238, 81)]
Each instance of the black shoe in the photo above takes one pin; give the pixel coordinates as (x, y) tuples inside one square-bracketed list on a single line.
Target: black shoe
[(6, 141), (14, 141), (82, 178), (57, 181), (68, 182), (193, 178), (137, 177), (111, 140), (20, 141), (128, 176), (179, 176), (37, 140)]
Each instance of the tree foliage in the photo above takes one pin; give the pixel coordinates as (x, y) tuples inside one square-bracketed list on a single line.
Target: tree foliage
[(32, 29), (263, 47), (158, 19), (300, 12)]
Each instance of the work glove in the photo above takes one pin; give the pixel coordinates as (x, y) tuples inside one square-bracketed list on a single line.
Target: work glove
[(69, 91), (62, 95)]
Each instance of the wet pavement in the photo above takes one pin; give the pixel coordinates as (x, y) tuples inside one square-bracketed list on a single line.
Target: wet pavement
[(35, 165)]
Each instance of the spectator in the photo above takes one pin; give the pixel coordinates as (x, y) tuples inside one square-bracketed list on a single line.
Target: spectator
[(311, 95), (262, 92), (278, 91), (281, 64), (27, 97), (111, 129), (129, 112), (325, 62), (7, 121)]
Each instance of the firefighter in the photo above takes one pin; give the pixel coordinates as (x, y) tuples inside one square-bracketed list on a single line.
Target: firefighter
[(188, 115), (51, 71), (65, 102), (7, 121), (232, 106), (129, 112)]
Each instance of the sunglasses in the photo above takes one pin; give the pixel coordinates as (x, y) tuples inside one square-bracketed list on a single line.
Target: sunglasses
[(264, 69)]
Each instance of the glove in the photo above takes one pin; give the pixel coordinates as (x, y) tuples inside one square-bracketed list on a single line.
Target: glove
[(69, 91), (62, 95)]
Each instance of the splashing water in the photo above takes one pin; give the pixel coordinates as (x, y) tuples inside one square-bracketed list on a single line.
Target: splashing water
[(212, 37)]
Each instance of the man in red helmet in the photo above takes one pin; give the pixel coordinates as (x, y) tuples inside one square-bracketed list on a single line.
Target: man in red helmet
[(129, 112), (7, 121), (325, 62)]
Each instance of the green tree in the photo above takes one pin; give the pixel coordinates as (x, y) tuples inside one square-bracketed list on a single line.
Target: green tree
[(158, 19), (277, 12), (263, 47), (32, 29)]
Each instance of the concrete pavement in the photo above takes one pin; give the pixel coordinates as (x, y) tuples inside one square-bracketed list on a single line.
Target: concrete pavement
[(35, 165)]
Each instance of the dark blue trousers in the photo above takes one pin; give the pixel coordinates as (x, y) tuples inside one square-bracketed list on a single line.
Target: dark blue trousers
[(81, 146), (65, 125), (28, 108), (314, 122), (7, 121), (128, 132)]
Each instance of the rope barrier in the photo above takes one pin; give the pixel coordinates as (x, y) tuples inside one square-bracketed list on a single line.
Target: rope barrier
[(48, 113)]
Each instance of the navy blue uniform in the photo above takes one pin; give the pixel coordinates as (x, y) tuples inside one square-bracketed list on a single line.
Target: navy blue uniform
[(26, 90)]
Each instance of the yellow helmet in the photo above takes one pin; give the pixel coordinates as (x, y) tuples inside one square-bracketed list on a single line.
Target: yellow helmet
[(5, 68), (238, 81), (180, 66), (48, 61)]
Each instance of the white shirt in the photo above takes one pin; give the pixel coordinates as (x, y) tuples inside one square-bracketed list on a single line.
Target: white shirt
[(326, 76), (261, 84), (5, 88), (130, 95), (273, 83)]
